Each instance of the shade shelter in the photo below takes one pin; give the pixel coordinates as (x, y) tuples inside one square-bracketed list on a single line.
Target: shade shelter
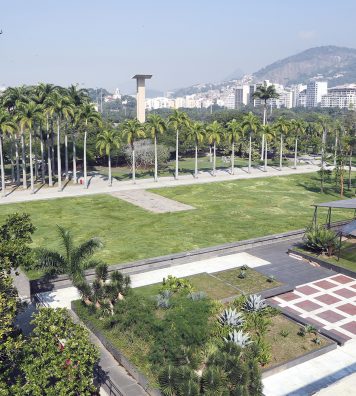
[(340, 204)]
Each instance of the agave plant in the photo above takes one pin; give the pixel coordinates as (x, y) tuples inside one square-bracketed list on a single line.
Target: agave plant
[(230, 317), (239, 337), (162, 301), (254, 303), (196, 296)]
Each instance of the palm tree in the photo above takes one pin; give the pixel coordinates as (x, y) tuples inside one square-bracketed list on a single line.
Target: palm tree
[(339, 131), (88, 115), (214, 134), (77, 96), (178, 120), (61, 107), (27, 113), (265, 92), (6, 126), (252, 124), (72, 260), (195, 133), (234, 132), (106, 140), (45, 91), (133, 130), (155, 125), (299, 128), (270, 134), (283, 126)]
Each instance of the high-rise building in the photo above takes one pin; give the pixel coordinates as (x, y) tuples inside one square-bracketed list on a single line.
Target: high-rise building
[(343, 96), (315, 91), (242, 96), (229, 100)]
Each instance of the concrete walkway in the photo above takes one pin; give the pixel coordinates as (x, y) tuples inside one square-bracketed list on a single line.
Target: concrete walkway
[(98, 183), (307, 378), (152, 202)]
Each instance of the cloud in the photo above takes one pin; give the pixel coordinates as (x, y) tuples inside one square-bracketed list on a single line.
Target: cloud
[(306, 34)]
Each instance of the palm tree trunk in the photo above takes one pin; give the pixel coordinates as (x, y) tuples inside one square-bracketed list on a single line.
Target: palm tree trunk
[(24, 181), (17, 160), (177, 147), (350, 167), (335, 152), (35, 150), (156, 162), (210, 154), (214, 161), (250, 154), (233, 158), (66, 153), (12, 159), (59, 167), (43, 173), (342, 177), (295, 153), (262, 146), (31, 164), (196, 161), (281, 154), (49, 159), (52, 149), (133, 164), (85, 156), (3, 192), (109, 165), (265, 168), (74, 159)]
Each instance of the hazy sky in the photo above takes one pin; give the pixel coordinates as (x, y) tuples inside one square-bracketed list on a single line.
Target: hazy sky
[(104, 43)]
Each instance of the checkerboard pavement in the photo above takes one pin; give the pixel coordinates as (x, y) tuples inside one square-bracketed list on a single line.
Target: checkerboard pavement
[(329, 303)]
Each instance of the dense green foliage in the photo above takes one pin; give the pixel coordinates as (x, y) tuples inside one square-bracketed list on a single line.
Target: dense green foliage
[(320, 239)]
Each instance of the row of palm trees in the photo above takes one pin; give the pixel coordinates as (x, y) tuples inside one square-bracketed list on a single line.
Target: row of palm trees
[(45, 111), (31, 113)]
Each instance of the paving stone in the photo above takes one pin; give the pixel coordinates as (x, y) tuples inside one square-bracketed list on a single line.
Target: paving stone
[(308, 305), (324, 284), (289, 296), (348, 308), (327, 299), (308, 290), (351, 327), (342, 279), (345, 293), (330, 316)]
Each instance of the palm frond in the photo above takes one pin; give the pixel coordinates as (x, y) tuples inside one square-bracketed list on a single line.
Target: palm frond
[(50, 260), (86, 249), (66, 240)]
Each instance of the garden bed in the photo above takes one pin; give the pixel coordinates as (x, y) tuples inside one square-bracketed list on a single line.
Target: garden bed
[(224, 284)]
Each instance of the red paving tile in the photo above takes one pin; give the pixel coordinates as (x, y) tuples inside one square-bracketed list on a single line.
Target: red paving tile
[(324, 284), (348, 308), (327, 299), (308, 305), (330, 316), (353, 286), (345, 293), (308, 290), (288, 296), (342, 279), (351, 327)]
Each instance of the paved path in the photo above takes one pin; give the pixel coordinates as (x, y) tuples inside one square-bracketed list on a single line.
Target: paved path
[(150, 201), (307, 378), (98, 183), (329, 303), (346, 386)]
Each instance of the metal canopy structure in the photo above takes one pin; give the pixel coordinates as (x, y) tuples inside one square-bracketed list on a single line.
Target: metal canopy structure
[(349, 230), (340, 204)]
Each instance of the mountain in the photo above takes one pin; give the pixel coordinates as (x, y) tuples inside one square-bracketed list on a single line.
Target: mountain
[(337, 65)]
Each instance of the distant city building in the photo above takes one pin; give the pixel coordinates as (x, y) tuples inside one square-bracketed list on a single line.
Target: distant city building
[(343, 96), (315, 91), (230, 100), (242, 96), (302, 99)]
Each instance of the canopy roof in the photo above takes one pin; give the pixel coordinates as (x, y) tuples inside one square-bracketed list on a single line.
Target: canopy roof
[(349, 229), (341, 204)]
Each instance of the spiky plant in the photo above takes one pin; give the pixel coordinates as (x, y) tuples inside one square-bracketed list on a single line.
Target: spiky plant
[(167, 379), (101, 272), (239, 337), (162, 302), (230, 317), (189, 388), (85, 292), (254, 303), (196, 296), (214, 381)]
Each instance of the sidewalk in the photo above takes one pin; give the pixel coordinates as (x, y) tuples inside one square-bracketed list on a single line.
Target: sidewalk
[(98, 183)]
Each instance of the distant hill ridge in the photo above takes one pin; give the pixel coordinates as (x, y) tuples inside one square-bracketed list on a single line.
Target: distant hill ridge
[(337, 65)]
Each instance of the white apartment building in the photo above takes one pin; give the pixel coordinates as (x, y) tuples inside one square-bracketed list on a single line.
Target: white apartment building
[(343, 96), (242, 96), (302, 99), (229, 100), (315, 91)]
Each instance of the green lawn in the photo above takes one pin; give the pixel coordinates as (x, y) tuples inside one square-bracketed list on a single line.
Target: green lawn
[(220, 285), (225, 212)]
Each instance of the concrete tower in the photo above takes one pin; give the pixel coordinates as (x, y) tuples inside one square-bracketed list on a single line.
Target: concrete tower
[(140, 95)]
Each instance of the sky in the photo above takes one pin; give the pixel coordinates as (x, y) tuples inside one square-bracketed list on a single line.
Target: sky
[(103, 43)]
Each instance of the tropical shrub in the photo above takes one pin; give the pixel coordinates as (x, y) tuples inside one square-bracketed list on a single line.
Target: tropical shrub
[(320, 239), (145, 155), (174, 285)]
